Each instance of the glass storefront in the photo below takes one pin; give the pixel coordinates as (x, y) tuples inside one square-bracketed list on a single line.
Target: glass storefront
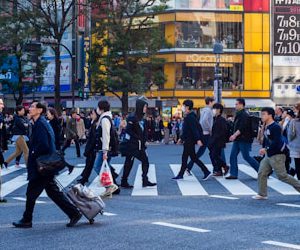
[(201, 75), (204, 34)]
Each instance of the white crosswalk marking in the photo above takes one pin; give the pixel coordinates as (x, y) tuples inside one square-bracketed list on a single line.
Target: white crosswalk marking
[(10, 170), (12, 185), (95, 185), (138, 189), (273, 183), (235, 187), (190, 185), (65, 179)]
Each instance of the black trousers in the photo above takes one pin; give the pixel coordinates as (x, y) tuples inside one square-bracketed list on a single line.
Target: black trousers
[(141, 156), (68, 144), (216, 158), (189, 151), (89, 164), (34, 190)]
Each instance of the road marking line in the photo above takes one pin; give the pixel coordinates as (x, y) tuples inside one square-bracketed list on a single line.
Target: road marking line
[(24, 199), (273, 183), (281, 244), (138, 190), (80, 165), (190, 185), (65, 179), (10, 170), (224, 197), (95, 184), (193, 229), (109, 214), (235, 187), (288, 205), (12, 185)]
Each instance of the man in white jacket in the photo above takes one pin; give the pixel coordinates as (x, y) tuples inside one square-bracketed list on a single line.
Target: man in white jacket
[(206, 122), (103, 141)]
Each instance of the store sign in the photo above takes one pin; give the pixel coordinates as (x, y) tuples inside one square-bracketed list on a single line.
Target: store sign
[(286, 34), (208, 58)]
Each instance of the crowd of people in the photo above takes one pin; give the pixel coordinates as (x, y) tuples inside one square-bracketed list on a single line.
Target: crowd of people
[(106, 135)]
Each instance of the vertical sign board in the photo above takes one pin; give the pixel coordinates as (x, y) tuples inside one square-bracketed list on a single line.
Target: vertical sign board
[(286, 34)]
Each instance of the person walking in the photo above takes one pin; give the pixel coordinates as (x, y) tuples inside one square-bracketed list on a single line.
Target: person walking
[(42, 143), (217, 141), (242, 140), (90, 151), (192, 134), (20, 132), (2, 200), (136, 136), (80, 127), (274, 156), (206, 122), (55, 124), (294, 141), (71, 134)]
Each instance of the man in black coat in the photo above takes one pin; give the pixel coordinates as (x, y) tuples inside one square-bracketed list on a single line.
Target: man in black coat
[(217, 141), (136, 135), (42, 143), (191, 134)]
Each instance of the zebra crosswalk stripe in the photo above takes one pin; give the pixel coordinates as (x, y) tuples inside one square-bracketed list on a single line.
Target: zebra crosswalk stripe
[(138, 190), (11, 170), (14, 184), (190, 185)]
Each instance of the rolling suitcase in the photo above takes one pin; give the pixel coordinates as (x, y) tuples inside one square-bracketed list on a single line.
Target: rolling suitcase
[(89, 204)]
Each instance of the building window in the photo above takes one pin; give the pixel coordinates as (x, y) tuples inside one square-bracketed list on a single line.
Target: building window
[(204, 34), (201, 76)]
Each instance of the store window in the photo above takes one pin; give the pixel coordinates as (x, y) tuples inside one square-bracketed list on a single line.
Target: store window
[(201, 76), (204, 34)]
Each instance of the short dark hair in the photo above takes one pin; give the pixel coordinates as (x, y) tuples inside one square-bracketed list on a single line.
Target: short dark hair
[(189, 103), (40, 105), (209, 100), (104, 105), (270, 111), (241, 101), (19, 108), (73, 112), (218, 106)]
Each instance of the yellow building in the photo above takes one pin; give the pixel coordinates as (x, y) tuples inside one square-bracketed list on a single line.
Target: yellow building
[(192, 27)]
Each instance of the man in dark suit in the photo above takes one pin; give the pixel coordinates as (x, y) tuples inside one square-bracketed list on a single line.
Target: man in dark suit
[(42, 143)]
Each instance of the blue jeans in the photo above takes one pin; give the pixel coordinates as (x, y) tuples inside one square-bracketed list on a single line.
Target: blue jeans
[(244, 148), (201, 150), (99, 162)]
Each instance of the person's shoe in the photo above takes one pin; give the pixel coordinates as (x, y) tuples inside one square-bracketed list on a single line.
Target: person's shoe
[(17, 164), (109, 191), (148, 184), (207, 176), (217, 174), (259, 197), (226, 170), (74, 220), (178, 177), (188, 172), (126, 185), (5, 164), (71, 168), (22, 224), (3, 200), (118, 191), (230, 177)]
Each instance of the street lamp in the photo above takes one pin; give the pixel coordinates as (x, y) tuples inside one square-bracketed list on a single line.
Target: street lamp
[(218, 50), (54, 42)]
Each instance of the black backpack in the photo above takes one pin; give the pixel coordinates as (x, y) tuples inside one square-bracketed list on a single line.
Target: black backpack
[(114, 139), (254, 125)]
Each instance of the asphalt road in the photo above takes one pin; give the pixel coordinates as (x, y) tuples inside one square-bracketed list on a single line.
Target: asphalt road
[(191, 214)]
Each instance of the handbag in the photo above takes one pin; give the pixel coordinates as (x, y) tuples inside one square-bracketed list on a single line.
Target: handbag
[(50, 164), (106, 179)]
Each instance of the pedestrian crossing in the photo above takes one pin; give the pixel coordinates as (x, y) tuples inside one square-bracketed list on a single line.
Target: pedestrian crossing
[(15, 182)]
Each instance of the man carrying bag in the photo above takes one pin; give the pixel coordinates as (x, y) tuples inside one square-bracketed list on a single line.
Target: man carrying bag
[(41, 144)]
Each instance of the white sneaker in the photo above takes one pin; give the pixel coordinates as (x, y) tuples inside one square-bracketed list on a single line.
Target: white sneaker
[(259, 197), (109, 191)]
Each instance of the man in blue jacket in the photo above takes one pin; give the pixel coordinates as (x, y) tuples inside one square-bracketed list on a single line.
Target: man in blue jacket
[(274, 156), (191, 134), (42, 143)]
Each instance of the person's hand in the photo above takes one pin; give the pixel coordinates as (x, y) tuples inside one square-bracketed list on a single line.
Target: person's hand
[(262, 151), (179, 142), (232, 138), (105, 157), (199, 143)]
